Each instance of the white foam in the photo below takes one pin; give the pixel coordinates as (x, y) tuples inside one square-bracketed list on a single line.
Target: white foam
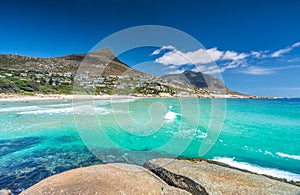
[(268, 153), (296, 157), (33, 108), (190, 133), (49, 111), (122, 100), (57, 105), (201, 135), (170, 116), (102, 111), (258, 169), (90, 110), (101, 103), (185, 133), (18, 109), (84, 109)]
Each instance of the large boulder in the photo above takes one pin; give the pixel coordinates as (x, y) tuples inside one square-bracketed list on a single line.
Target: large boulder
[(104, 179), (5, 192), (202, 177)]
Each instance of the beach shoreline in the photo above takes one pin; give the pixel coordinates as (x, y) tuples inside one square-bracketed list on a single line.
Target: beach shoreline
[(76, 97), (57, 97)]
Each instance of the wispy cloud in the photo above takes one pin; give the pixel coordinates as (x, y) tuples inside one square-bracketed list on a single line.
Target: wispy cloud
[(258, 70), (280, 52), (232, 55), (169, 47), (234, 64), (260, 54), (203, 60), (290, 88)]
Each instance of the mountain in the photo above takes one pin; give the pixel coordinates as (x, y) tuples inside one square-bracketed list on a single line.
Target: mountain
[(196, 80), (100, 71), (201, 81), (101, 60)]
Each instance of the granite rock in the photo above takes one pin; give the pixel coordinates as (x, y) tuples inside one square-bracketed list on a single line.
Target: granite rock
[(211, 178), (116, 178)]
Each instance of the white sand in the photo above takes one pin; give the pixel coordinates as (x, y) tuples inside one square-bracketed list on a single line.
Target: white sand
[(41, 97)]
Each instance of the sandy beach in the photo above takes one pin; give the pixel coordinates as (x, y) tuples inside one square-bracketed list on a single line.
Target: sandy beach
[(58, 97), (63, 97)]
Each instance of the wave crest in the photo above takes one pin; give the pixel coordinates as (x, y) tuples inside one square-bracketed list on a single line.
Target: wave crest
[(257, 169), (296, 157)]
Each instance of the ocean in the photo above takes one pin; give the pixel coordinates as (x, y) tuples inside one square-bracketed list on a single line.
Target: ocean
[(42, 138)]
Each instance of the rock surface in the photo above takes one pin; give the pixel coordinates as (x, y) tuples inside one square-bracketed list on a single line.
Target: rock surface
[(162, 176), (5, 192), (202, 177), (104, 179)]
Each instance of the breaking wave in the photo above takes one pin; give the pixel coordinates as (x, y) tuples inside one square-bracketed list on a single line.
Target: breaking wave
[(257, 169), (296, 157)]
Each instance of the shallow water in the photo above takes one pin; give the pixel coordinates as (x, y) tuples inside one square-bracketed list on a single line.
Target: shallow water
[(39, 139)]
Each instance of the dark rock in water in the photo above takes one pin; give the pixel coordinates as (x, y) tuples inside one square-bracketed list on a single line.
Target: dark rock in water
[(10, 146), (67, 139), (119, 155), (17, 183), (37, 166), (60, 169), (8, 180)]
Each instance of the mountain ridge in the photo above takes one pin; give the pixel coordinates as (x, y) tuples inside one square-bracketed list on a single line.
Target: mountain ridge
[(104, 63)]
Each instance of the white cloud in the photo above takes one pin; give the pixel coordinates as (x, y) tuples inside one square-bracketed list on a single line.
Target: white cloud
[(168, 47), (258, 70), (232, 55), (280, 52), (234, 64), (256, 54), (200, 56), (213, 53), (296, 44), (173, 58), (260, 54), (203, 60)]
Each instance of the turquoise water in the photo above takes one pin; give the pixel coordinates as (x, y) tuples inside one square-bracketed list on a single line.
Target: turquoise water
[(39, 139)]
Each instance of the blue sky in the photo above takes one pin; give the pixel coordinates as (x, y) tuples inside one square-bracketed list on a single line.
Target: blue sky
[(254, 43)]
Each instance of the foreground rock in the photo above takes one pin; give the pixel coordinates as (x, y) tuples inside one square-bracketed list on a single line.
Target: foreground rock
[(5, 192), (201, 177), (104, 179)]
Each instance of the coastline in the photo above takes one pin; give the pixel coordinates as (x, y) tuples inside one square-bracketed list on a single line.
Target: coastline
[(57, 97), (65, 97)]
